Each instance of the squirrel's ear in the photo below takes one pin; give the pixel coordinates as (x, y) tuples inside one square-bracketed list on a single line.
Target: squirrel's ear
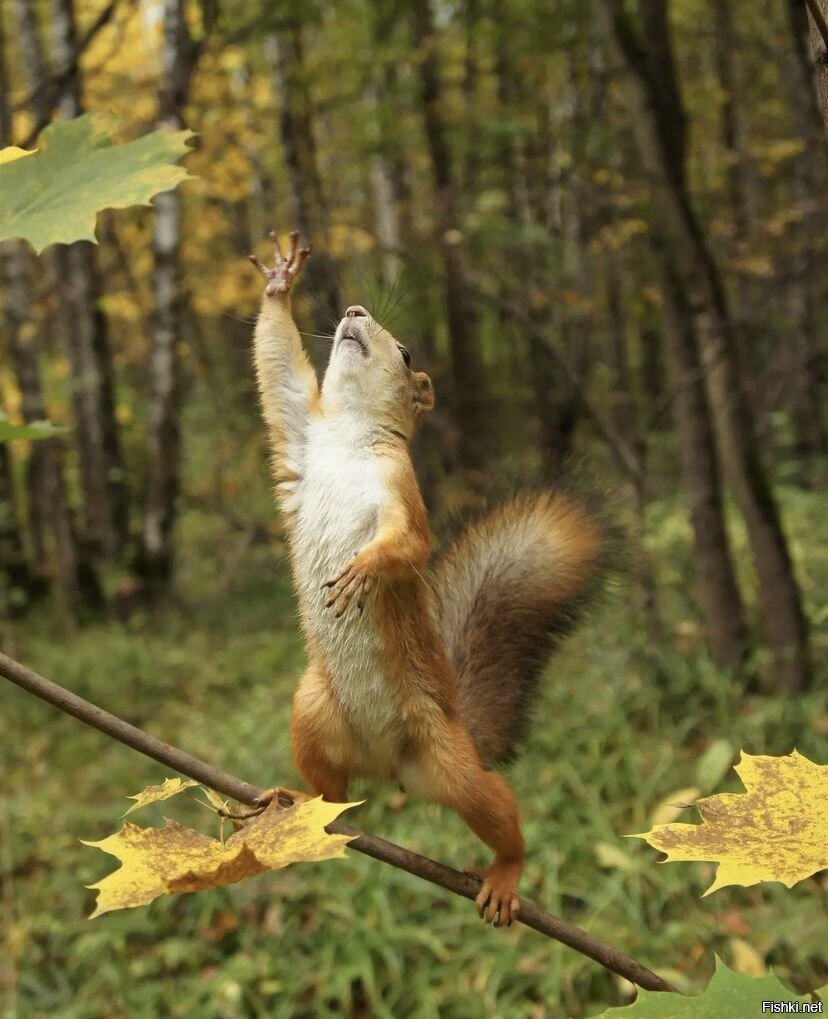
[(423, 399)]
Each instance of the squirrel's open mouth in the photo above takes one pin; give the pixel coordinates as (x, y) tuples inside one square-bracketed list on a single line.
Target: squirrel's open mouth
[(358, 340)]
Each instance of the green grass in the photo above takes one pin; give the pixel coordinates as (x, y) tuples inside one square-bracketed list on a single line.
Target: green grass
[(620, 727)]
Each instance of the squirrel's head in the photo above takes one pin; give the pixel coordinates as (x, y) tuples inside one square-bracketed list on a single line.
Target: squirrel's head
[(370, 372)]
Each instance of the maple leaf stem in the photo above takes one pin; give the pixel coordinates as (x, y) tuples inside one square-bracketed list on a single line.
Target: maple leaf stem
[(452, 880)]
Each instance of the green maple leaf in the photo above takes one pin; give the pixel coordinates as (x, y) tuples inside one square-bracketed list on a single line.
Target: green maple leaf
[(729, 995), (54, 195)]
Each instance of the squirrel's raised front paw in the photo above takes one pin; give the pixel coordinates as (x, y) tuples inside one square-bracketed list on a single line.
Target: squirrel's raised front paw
[(355, 581), (280, 278)]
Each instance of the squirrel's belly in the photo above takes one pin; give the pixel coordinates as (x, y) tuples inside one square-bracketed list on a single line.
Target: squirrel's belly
[(338, 510)]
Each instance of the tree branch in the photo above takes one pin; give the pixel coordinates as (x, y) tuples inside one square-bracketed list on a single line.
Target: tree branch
[(437, 873)]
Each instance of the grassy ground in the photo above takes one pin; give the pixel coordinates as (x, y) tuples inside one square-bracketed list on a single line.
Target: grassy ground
[(620, 728)]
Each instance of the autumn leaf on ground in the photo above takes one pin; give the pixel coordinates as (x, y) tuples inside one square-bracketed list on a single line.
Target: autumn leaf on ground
[(54, 195), (729, 995), (174, 859), (153, 793), (777, 830)]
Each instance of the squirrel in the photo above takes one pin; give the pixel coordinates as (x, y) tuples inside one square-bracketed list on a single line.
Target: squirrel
[(422, 679)]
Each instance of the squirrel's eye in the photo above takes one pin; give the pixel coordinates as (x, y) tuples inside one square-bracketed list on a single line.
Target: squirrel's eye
[(405, 354)]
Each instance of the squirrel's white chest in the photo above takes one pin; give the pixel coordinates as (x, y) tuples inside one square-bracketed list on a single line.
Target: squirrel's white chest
[(340, 497), (339, 503)]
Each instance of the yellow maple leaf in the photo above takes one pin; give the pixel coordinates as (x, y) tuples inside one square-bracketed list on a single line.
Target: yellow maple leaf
[(777, 830), (175, 859), (153, 793)]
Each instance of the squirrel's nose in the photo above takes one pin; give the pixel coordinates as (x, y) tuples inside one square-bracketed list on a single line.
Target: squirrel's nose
[(356, 311)]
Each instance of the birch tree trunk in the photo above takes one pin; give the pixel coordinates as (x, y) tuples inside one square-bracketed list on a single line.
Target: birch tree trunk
[(155, 558)]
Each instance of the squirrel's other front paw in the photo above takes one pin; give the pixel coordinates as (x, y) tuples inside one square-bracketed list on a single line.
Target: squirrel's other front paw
[(280, 278), (355, 581)]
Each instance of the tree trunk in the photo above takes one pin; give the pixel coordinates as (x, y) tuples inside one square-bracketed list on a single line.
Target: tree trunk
[(16, 581), (154, 561), (85, 340), (725, 55), (53, 537), (461, 314), (660, 128), (718, 591), (818, 33), (54, 543), (808, 291), (285, 53), (15, 572)]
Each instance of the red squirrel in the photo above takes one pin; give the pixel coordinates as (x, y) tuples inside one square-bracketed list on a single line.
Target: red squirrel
[(423, 679)]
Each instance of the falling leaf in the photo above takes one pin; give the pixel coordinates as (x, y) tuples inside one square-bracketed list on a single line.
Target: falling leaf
[(775, 831), (175, 859), (153, 793), (54, 196), (729, 995)]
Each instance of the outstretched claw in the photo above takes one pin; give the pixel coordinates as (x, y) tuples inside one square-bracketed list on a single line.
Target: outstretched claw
[(497, 901), (353, 581), (281, 277)]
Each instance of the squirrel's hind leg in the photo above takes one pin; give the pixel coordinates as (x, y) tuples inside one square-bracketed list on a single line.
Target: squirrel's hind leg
[(454, 775), (321, 741)]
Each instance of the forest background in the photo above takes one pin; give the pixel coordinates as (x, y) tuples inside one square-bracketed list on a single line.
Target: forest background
[(603, 229)]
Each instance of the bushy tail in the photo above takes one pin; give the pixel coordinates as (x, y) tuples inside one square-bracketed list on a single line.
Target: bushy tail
[(508, 589)]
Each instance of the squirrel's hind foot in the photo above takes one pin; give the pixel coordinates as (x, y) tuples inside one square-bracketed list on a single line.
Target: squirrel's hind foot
[(497, 901), (285, 797)]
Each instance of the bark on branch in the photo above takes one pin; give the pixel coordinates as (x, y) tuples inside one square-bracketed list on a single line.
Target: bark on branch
[(437, 873)]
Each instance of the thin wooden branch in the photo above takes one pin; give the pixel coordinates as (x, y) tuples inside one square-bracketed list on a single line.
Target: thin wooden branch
[(437, 873)]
